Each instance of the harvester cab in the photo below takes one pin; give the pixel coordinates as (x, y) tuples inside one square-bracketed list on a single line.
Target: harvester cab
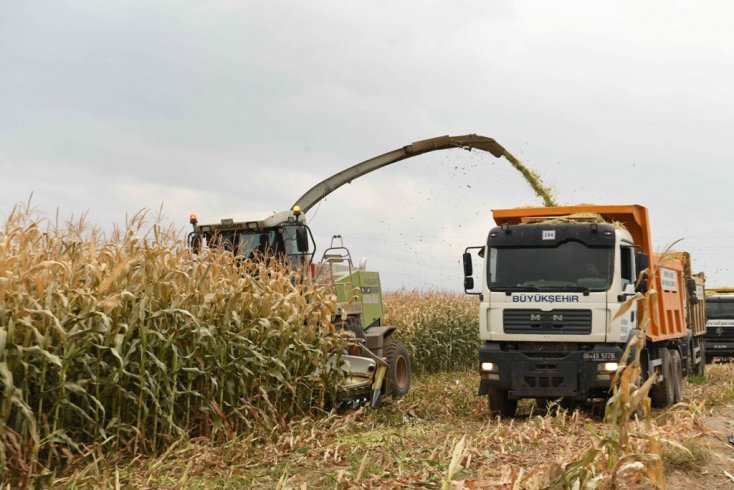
[(283, 235)]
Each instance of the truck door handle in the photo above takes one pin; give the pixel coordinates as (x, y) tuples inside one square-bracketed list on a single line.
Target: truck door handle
[(623, 297)]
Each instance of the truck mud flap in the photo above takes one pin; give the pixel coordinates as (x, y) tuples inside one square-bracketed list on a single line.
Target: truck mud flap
[(543, 378)]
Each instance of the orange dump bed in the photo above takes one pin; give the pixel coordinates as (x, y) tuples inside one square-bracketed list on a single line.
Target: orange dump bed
[(668, 318), (695, 298)]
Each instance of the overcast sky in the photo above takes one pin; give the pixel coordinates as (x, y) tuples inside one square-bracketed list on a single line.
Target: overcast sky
[(236, 108)]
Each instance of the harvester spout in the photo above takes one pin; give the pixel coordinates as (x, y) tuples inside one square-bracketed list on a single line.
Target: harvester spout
[(467, 142)]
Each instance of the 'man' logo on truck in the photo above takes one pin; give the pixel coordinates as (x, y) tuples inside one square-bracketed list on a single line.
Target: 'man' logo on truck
[(536, 317)]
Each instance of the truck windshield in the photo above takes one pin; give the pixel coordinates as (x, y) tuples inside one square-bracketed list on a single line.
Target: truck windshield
[(719, 308), (570, 266)]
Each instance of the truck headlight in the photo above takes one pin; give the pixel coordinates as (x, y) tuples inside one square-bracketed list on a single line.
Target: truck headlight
[(488, 366), (610, 366)]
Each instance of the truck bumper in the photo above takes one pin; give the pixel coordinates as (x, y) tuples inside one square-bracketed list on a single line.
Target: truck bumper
[(526, 375), (719, 347)]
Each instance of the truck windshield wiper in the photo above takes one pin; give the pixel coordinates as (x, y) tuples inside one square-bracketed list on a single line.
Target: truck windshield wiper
[(580, 289), (516, 288)]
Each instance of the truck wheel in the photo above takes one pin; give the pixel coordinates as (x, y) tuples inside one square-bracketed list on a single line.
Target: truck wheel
[(677, 376), (499, 404), (662, 393), (398, 368)]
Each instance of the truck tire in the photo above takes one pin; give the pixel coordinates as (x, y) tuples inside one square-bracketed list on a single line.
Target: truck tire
[(662, 393), (500, 404), (398, 368), (677, 376)]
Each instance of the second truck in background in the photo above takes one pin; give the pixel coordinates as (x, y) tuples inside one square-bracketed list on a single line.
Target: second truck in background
[(719, 323), (553, 281)]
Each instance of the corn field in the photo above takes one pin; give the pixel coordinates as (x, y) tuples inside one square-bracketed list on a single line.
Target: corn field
[(127, 343), (440, 329)]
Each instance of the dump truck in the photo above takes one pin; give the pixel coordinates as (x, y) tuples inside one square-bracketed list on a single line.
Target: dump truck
[(719, 323), (552, 284), (285, 234)]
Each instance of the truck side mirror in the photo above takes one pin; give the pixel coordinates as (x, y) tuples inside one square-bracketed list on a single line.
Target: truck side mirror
[(302, 239), (468, 269)]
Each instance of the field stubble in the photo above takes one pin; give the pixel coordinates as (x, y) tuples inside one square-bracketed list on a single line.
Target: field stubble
[(439, 436)]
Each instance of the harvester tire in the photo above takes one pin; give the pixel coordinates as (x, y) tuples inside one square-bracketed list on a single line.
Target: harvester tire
[(677, 376), (662, 393), (398, 368), (500, 404)]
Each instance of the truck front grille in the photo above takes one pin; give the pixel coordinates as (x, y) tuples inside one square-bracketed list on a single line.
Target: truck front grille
[(560, 322), (543, 381), (717, 333)]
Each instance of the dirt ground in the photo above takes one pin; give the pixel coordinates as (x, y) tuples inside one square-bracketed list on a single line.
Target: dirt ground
[(440, 436), (717, 427)]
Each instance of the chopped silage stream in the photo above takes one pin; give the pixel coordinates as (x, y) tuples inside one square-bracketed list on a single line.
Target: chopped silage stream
[(532, 178)]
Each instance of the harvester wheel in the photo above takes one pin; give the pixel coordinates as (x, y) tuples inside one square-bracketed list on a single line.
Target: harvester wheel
[(500, 404), (398, 370), (662, 393), (677, 376)]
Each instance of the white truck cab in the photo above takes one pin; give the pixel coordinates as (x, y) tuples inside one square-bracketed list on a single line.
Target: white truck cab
[(552, 323)]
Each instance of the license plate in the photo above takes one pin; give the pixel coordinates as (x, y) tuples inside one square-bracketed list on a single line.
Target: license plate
[(600, 356)]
